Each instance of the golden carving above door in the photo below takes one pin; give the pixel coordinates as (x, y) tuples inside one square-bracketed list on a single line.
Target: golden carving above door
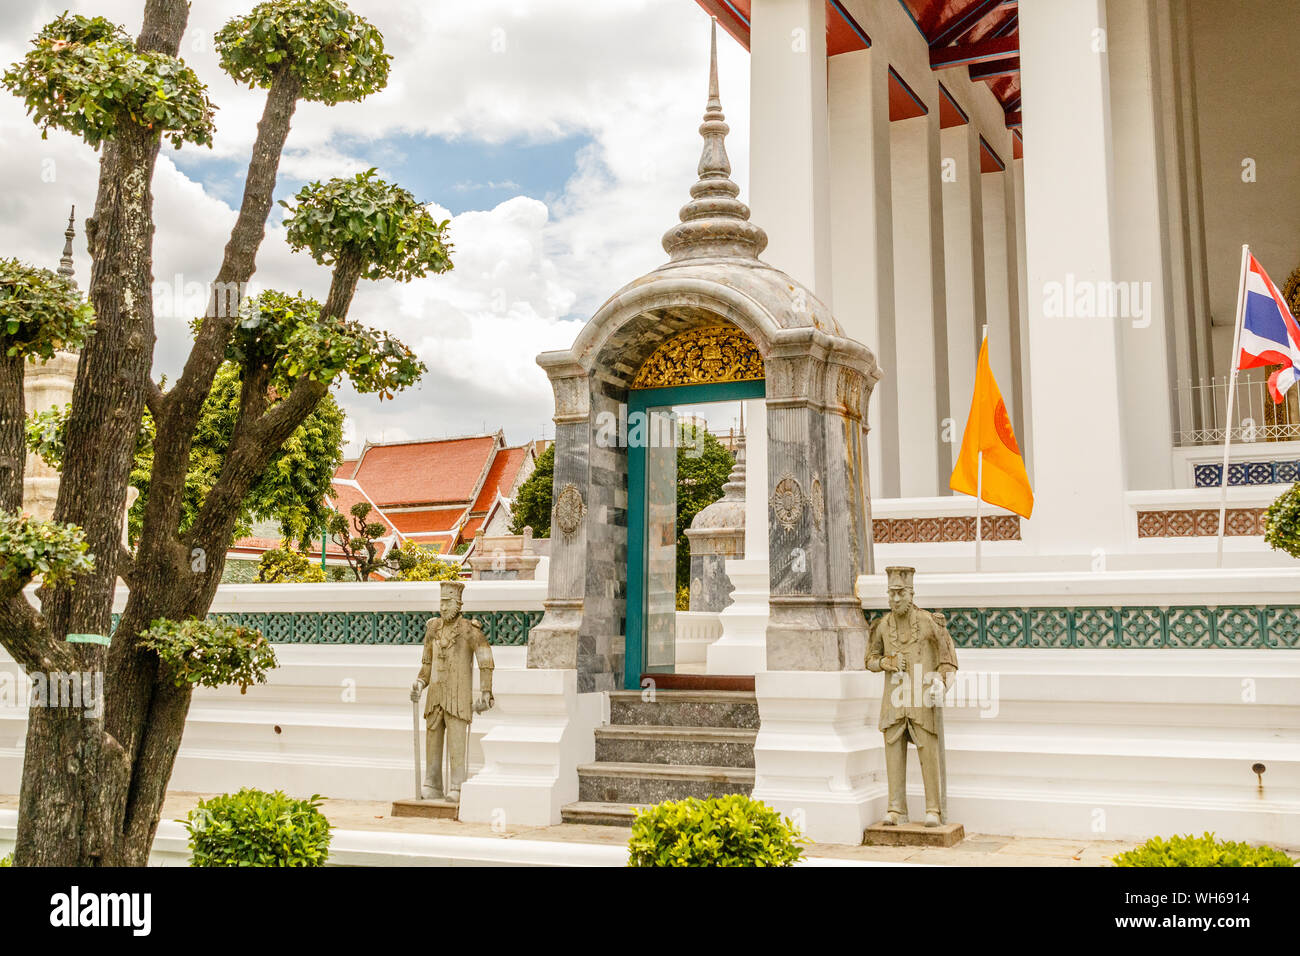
[(720, 353)]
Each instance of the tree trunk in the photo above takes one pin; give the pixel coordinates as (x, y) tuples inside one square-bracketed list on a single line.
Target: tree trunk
[(74, 773), (13, 447)]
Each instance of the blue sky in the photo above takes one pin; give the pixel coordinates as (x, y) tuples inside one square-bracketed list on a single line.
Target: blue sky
[(560, 138), (458, 174)]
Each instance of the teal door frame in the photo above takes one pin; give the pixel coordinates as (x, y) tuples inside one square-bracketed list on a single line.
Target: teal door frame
[(643, 401)]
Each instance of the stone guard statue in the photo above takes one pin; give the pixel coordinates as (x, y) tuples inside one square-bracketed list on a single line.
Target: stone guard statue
[(452, 642), (914, 649)]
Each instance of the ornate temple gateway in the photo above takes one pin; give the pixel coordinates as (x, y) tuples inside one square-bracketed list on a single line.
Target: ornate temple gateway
[(713, 323)]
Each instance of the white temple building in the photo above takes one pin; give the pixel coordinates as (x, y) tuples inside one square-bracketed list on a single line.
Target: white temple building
[(1079, 176)]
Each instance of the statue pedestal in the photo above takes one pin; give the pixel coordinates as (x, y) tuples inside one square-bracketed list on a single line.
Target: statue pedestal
[(438, 809), (913, 834)]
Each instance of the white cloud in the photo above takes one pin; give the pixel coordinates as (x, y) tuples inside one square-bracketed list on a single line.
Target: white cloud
[(629, 75)]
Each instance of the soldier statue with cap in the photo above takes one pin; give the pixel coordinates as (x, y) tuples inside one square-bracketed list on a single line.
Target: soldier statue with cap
[(917, 654), (452, 642)]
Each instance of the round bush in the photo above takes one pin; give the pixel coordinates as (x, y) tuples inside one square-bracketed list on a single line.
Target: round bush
[(256, 828), (1200, 851), (720, 831)]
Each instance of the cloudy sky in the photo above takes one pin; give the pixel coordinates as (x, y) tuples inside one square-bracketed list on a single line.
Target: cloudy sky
[(559, 136)]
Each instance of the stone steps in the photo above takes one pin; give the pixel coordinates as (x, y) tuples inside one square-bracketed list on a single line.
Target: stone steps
[(692, 746), (646, 783), (685, 708), (679, 744), (600, 814)]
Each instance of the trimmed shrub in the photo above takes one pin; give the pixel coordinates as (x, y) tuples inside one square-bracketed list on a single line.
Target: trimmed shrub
[(256, 828), (720, 831), (1282, 522), (1200, 851), (285, 566)]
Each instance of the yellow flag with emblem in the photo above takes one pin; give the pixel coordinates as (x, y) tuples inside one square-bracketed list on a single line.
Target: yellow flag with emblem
[(988, 431)]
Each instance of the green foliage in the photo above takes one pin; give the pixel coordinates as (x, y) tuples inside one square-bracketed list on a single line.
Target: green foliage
[(30, 548), (288, 333), (7, 860), (290, 490), (720, 831), (532, 504), (335, 54), (1282, 522), (370, 222), (286, 566), (1200, 851), (414, 563), (256, 828), (41, 312), (84, 75), (210, 653)]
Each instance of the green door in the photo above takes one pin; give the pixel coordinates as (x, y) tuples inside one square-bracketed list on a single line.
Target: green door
[(651, 623)]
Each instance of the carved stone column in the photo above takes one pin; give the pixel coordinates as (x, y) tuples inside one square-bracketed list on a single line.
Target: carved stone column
[(45, 386)]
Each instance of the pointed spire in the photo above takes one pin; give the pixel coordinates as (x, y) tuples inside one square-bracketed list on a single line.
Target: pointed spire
[(714, 222), (734, 489), (65, 264)]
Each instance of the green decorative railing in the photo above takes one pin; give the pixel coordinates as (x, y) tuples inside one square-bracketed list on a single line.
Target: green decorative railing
[(503, 628), (1228, 626)]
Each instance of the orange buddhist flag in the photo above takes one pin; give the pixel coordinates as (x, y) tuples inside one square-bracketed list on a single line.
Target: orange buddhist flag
[(988, 430)]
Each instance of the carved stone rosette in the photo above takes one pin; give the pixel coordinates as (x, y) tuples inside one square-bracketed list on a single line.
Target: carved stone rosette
[(787, 502), (569, 510)]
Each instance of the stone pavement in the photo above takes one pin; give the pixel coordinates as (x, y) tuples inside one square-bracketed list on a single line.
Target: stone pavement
[(977, 849)]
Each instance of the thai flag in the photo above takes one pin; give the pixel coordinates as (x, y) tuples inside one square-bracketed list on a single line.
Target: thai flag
[(1270, 334)]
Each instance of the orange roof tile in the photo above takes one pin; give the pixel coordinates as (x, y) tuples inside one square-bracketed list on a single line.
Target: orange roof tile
[(346, 469), (501, 477), (425, 522), (443, 471)]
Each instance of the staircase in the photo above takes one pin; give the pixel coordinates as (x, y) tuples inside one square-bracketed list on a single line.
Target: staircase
[(684, 743)]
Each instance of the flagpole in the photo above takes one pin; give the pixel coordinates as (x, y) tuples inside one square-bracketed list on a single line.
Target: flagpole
[(1234, 356), (979, 482), (979, 501)]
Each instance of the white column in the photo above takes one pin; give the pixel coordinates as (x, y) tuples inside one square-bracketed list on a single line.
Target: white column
[(963, 262), (1143, 246), (1025, 424), (999, 284), (862, 260), (1078, 425), (789, 152), (920, 360)]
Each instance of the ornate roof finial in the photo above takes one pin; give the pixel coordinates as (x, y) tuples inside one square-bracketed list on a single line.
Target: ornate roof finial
[(714, 222), (65, 264)]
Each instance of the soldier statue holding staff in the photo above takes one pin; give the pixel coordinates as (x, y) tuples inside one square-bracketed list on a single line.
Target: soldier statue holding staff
[(452, 642), (917, 654)]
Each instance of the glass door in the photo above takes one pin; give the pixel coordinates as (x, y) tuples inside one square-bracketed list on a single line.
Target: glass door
[(661, 541)]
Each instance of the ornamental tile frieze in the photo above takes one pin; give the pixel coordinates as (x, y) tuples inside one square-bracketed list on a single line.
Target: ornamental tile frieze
[(504, 628), (702, 356), (1199, 523), (1248, 473), (944, 530), (1142, 628)]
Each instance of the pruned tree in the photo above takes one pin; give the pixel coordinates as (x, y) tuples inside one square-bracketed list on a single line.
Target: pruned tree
[(93, 786), (360, 541)]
